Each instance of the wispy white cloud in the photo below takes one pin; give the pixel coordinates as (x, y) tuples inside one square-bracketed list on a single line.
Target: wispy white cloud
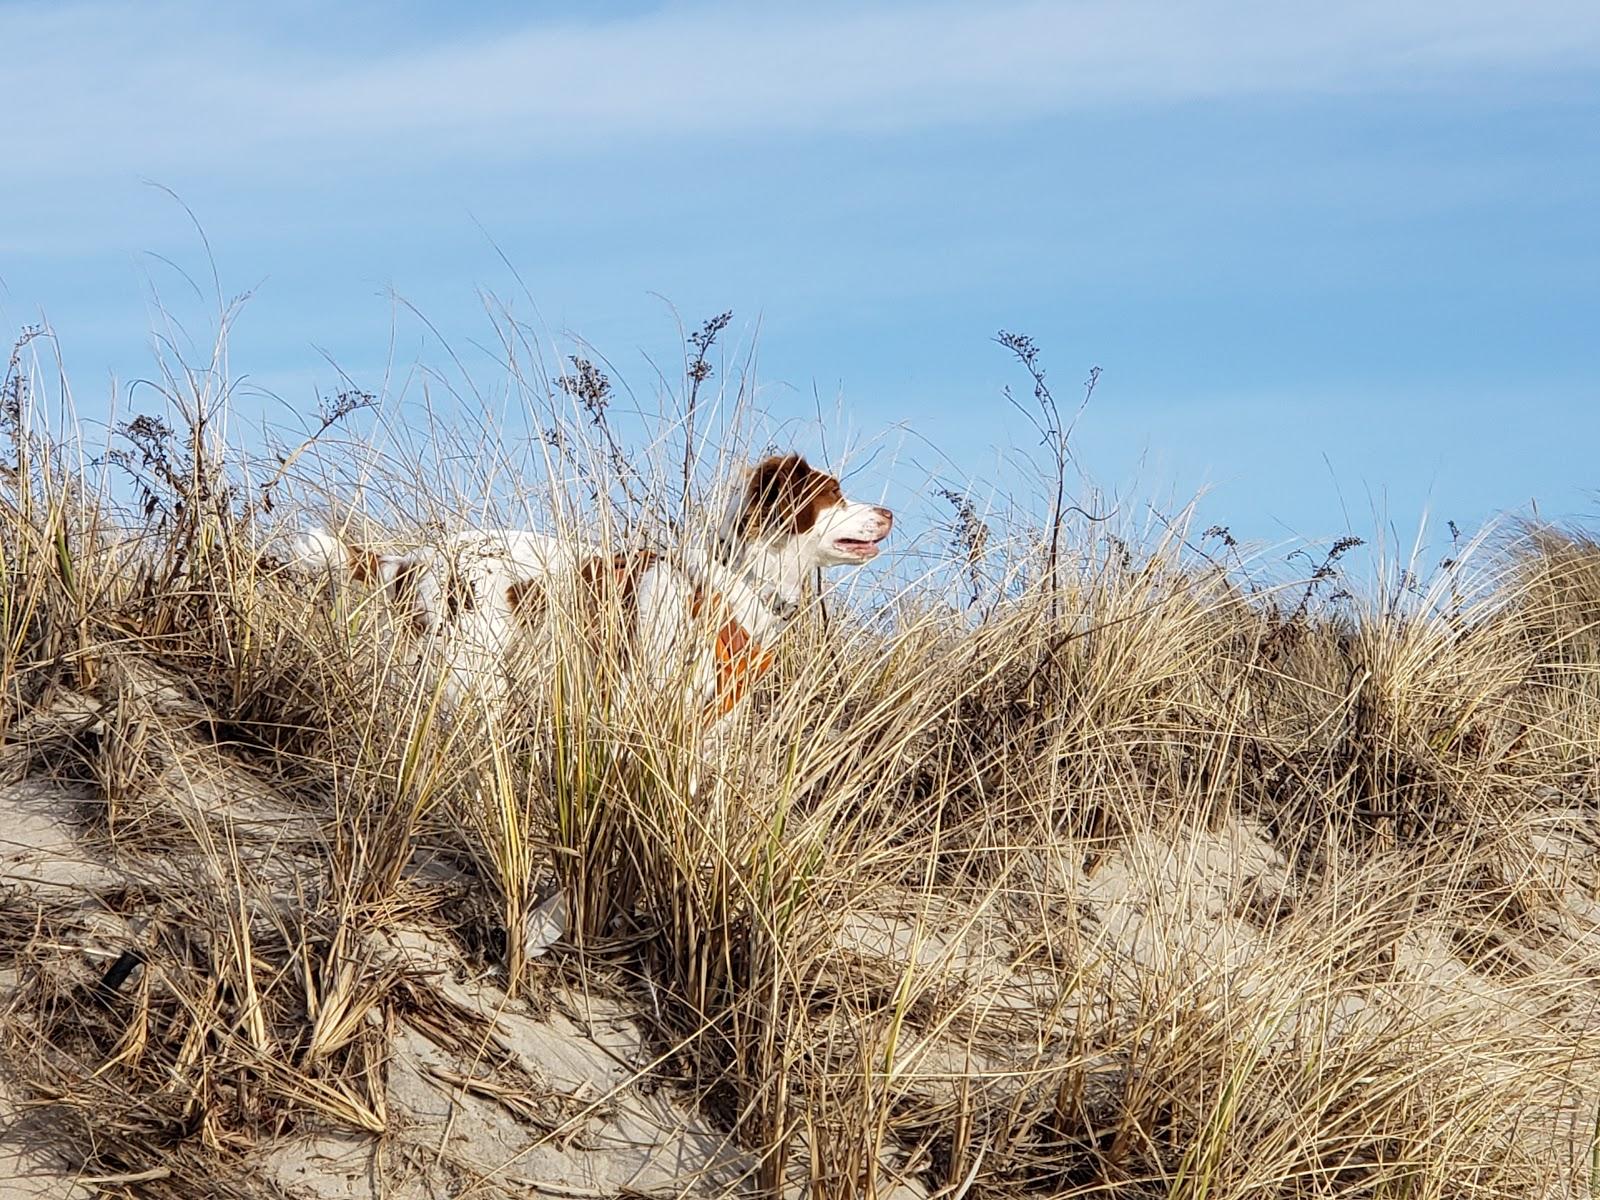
[(149, 87)]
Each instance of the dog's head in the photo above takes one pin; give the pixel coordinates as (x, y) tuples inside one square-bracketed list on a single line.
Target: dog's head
[(787, 503)]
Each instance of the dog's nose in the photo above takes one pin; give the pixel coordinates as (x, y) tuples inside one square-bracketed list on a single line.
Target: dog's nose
[(886, 517)]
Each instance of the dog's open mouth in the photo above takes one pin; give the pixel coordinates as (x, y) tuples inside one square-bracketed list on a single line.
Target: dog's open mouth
[(857, 547)]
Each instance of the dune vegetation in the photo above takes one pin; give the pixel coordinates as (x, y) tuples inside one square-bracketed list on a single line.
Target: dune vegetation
[(1061, 856)]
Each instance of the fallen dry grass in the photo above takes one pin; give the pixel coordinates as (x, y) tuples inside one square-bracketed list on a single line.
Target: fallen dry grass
[(1145, 880)]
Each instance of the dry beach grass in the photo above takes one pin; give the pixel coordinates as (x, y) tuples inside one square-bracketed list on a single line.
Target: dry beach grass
[(1148, 877)]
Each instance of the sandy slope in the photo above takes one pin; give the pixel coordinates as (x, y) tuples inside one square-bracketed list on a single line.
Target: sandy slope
[(474, 1093)]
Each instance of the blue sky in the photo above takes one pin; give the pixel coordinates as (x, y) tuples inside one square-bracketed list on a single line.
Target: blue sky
[(1332, 259)]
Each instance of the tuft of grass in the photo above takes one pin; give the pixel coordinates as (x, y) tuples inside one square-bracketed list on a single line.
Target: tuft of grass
[(1130, 874)]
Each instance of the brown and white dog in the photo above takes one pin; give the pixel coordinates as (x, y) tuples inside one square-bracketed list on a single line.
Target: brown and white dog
[(706, 617)]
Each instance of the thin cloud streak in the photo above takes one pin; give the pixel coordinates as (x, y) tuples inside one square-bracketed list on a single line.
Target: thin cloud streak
[(113, 88)]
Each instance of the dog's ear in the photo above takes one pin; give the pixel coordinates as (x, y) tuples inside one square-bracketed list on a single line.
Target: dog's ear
[(783, 495), (769, 495)]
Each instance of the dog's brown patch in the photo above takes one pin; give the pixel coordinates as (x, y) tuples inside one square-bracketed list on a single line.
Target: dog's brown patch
[(615, 580), (366, 566), (608, 601), (785, 495), (363, 563), (529, 601), (402, 592), (740, 659), (458, 594)]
